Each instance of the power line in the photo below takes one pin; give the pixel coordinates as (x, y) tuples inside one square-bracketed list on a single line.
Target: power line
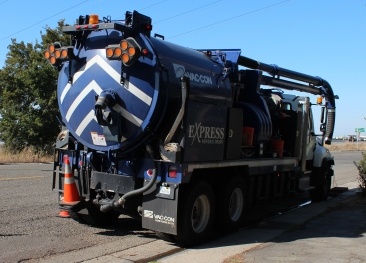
[(146, 7), (231, 18), (41, 20), (152, 5), (189, 11), (3, 2)]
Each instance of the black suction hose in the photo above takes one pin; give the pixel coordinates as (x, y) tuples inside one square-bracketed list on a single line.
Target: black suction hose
[(330, 126), (330, 106), (120, 202)]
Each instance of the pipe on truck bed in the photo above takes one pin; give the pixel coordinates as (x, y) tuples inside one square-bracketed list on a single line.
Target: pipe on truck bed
[(317, 86)]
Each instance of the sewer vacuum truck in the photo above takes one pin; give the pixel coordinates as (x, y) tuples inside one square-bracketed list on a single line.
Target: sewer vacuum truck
[(184, 139)]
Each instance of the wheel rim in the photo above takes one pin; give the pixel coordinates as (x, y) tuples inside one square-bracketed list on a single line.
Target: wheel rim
[(236, 204), (200, 214)]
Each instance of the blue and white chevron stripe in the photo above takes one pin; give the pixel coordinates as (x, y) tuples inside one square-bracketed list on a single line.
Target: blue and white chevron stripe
[(77, 99)]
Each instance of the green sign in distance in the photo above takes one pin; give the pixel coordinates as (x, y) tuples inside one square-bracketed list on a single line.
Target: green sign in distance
[(359, 129)]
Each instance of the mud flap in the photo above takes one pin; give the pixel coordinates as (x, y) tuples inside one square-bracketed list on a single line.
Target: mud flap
[(160, 208)]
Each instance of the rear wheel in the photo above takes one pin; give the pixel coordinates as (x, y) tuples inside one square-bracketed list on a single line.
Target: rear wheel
[(232, 204), (321, 191), (196, 214)]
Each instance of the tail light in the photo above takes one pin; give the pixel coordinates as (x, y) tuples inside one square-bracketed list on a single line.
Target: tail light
[(172, 173)]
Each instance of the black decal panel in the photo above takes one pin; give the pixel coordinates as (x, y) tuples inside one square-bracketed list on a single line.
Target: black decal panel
[(205, 131)]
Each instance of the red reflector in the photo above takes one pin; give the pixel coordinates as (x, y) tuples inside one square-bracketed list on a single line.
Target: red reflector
[(86, 26), (95, 26), (78, 27), (172, 172), (144, 52), (150, 172)]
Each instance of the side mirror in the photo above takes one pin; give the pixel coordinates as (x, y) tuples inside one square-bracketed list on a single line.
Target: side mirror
[(322, 116)]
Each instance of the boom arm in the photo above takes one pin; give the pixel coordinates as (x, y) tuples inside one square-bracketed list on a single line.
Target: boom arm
[(316, 86)]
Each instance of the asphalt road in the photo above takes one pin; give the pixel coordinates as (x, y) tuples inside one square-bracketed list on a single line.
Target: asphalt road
[(30, 230)]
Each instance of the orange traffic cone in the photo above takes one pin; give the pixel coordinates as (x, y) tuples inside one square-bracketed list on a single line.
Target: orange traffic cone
[(71, 194), (64, 213)]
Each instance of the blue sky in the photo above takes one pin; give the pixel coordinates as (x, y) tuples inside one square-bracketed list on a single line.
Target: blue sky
[(316, 37)]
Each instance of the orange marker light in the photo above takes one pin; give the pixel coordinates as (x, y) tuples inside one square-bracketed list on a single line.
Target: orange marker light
[(57, 53), (117, 52), (46, 54), (125, 58), (128, 51), (124, 44), (131, 51), (109, 52), (51, 48), (93, 19), (64, 53), (53, 60), (319, 100)]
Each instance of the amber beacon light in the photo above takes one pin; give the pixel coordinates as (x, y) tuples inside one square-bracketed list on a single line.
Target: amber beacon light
[(93, 19)]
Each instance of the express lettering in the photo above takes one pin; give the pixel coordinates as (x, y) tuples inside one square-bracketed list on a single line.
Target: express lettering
[(199, 132)]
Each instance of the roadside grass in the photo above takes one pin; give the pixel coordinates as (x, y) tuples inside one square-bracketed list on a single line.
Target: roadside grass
[(25, 156), (347, 146), (29, 156)]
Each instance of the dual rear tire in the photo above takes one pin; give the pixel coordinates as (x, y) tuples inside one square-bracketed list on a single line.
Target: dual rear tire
[(232, 205), (199, 208), (196, 214)]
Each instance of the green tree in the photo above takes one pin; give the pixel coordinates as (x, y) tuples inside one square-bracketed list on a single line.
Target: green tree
[(28, 98)]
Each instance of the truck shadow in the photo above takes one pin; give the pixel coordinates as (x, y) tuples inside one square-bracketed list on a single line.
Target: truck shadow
[(345, 219), (125, 225)]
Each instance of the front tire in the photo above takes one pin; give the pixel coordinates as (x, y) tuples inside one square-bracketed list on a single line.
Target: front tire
[(322, 190), (196, 214)]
